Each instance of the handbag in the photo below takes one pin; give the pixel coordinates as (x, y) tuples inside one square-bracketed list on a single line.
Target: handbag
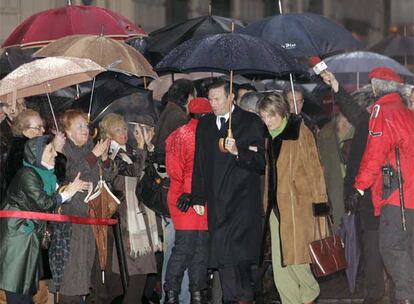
[(328, 253), (152, 191)]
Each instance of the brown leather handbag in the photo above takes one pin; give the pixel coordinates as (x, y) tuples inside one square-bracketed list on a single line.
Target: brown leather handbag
[(328, 253)]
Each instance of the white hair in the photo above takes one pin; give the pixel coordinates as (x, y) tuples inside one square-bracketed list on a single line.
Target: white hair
[(382, 87)]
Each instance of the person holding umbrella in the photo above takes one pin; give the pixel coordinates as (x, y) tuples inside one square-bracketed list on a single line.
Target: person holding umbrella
[(229, 185), (190, 247), (32, 189), (84, 158), (299, 182)]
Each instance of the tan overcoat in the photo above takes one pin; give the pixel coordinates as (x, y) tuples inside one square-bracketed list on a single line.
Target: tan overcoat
[(300, 183)]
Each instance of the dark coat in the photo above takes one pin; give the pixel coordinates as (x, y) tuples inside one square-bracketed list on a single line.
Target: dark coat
[(78, 267), (140, 264), (359, 118), (5, 139), (171, 119), (230, 186), (332, 159), (15, 158), (20, 238)]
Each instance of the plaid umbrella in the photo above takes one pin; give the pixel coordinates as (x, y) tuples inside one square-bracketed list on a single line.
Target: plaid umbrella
[(59, 251)]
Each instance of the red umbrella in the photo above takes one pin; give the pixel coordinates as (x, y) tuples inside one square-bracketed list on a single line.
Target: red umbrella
[(46, 26)]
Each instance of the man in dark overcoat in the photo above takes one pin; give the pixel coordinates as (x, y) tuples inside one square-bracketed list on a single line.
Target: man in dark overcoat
[(229, 184)]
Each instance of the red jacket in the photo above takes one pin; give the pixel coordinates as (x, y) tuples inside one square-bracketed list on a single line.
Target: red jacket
[(179, 160), (391, 124)]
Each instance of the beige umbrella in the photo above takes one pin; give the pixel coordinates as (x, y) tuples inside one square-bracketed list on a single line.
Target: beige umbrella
[(46, 75), (109, 53)]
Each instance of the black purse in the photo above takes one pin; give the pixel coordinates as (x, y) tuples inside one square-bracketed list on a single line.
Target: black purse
[(152, 191)]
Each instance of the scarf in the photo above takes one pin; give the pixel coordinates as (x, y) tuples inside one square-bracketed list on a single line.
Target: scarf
[(48, 178), (143, 236), (274, 133)]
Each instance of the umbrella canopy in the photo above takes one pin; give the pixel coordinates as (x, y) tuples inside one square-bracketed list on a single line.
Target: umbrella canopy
[(12, 58), (164, 40), (353, 67), (117, 97), (106, 52), (47, 75), (395, 45), (46, 26), (222, 53), (102, 203), (303, 34)]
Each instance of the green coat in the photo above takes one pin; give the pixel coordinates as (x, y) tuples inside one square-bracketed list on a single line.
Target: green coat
[(20, 238)]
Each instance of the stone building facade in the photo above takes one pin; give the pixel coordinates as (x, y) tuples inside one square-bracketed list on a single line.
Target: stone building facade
[(371, 19)]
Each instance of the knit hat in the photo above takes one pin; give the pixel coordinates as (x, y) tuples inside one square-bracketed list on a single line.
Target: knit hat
[(199, 105), (384, 73)]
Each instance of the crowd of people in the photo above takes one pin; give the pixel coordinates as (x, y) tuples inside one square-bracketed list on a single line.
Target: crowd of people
[(230, 157)]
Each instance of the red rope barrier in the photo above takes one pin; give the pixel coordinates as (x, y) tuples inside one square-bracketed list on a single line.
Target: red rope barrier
[(57, 217)]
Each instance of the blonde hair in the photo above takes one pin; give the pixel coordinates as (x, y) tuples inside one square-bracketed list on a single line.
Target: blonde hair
[(21, 122), (273, 103), (70, 115), (109, 122)]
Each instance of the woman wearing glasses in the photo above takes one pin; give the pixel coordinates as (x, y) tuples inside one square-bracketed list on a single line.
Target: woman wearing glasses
[(85, 158), (28, 124)]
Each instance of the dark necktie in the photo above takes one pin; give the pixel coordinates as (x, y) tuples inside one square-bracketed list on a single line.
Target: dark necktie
[(222, 123)]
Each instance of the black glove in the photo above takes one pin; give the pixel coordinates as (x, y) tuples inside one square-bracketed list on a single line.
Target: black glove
[(184, 202), (352, 201)]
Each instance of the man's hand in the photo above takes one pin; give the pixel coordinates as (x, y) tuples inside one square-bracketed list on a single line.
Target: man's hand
[(230, 145), (330, 80), (184, 202), (352, 201)]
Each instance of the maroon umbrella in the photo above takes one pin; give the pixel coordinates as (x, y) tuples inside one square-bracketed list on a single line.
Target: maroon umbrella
[(42, 28), (102, 203)]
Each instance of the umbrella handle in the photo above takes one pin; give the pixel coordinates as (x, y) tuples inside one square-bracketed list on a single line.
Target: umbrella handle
[(222, 141)]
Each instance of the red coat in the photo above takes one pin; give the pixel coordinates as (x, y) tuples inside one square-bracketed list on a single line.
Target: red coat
[(391, 124), (179, 160)]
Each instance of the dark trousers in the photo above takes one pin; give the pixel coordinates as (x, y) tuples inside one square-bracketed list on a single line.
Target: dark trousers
[(16, 298), (237, 283), (189, 252), (396, 247), (373, 266)]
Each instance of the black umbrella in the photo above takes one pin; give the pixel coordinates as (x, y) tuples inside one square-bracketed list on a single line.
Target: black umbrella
[(162, 41), (116, 96), (242, 54), (303, 34), (395, 46), (12, 58)]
